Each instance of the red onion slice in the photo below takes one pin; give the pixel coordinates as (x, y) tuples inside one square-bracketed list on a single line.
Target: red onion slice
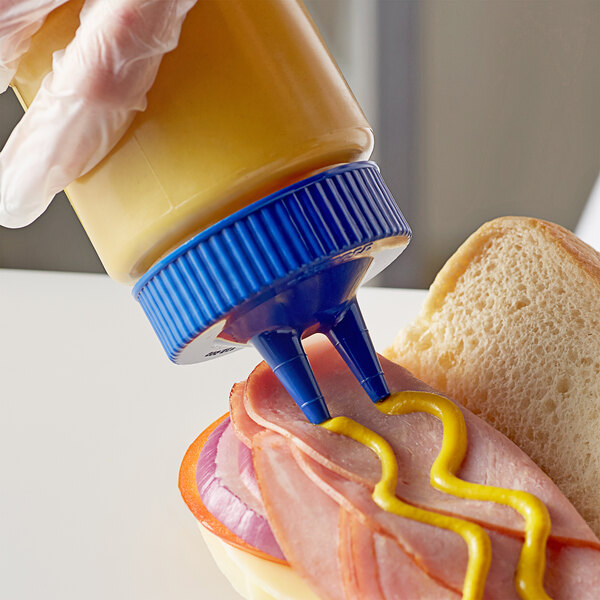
[(215, 488), (247, 474), (228, 471)]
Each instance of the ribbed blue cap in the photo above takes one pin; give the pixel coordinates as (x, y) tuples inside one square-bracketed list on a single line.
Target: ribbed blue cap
[(288, 262)]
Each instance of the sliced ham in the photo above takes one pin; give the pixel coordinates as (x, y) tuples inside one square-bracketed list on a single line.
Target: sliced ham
[(384, 571), (303, 518), (439, 553), (571, 571), (374, 566), (402, 580), (416, 438), (570, 568), (366, 553), (316, 487), (333, 550), (348, 564), (364, 559), (245, 428)]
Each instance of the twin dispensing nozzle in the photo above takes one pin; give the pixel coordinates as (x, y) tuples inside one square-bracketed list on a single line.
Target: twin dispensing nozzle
[(288, 264), (282, 350)]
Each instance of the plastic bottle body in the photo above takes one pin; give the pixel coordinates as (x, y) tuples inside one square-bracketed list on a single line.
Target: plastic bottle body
[(248, 103)]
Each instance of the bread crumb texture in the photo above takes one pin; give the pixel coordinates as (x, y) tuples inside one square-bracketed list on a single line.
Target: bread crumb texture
[(511, 329)]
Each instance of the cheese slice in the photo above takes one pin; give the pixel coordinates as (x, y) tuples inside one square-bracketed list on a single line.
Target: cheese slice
[(256, 578)]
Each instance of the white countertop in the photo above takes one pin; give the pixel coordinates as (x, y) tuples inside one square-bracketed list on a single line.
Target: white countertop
[(94, 422)]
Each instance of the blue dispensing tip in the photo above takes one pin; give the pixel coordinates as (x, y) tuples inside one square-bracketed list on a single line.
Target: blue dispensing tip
[(350, 337), (283, 352), (287, 264)]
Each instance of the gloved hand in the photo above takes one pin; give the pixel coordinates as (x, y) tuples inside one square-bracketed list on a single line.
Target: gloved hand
[(89, 99)]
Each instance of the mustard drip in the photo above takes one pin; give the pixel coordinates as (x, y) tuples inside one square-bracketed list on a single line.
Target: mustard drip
[(532, 561), (384, 495)]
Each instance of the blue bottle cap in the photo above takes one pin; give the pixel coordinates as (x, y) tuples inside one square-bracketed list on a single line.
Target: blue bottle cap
[(282, 268)]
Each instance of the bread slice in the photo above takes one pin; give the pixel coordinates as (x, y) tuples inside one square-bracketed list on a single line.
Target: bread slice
[(511, 329)]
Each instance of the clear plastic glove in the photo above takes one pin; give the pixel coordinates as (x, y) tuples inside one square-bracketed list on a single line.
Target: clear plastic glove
[(89, 99)]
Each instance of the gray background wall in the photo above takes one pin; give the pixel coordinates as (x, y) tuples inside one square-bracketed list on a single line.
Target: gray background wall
[(480, 109), (56, 241), (509, 114)]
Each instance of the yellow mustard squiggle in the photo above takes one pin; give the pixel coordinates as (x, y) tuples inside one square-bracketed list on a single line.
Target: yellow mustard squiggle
[(532, 561), (384, 495), (529, 576)]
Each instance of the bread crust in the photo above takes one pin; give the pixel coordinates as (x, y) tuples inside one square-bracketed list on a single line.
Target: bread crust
[(511, 329), (575, 250)]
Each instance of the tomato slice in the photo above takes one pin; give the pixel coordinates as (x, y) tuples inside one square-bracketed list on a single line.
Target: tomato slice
[(189, 490)]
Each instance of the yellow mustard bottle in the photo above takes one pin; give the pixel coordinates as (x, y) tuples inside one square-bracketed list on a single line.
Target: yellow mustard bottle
[(240, 201), (225, 125)]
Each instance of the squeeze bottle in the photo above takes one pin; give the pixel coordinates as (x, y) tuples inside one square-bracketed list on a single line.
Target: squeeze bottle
[(241, 203)]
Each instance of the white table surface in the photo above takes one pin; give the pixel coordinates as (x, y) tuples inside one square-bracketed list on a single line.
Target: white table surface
[(94, 422)]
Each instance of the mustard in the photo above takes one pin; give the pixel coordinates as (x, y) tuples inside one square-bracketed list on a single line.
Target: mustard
[(384, 495), (532, 561)]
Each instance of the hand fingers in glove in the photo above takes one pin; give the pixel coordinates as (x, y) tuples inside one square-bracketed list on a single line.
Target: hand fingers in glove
[(19, 20), (87, 102)]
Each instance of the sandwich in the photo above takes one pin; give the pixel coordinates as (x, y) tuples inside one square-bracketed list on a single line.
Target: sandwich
[(414, 497)]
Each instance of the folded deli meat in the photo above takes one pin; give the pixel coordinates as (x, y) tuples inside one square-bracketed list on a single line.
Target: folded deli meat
[(315, 488)]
